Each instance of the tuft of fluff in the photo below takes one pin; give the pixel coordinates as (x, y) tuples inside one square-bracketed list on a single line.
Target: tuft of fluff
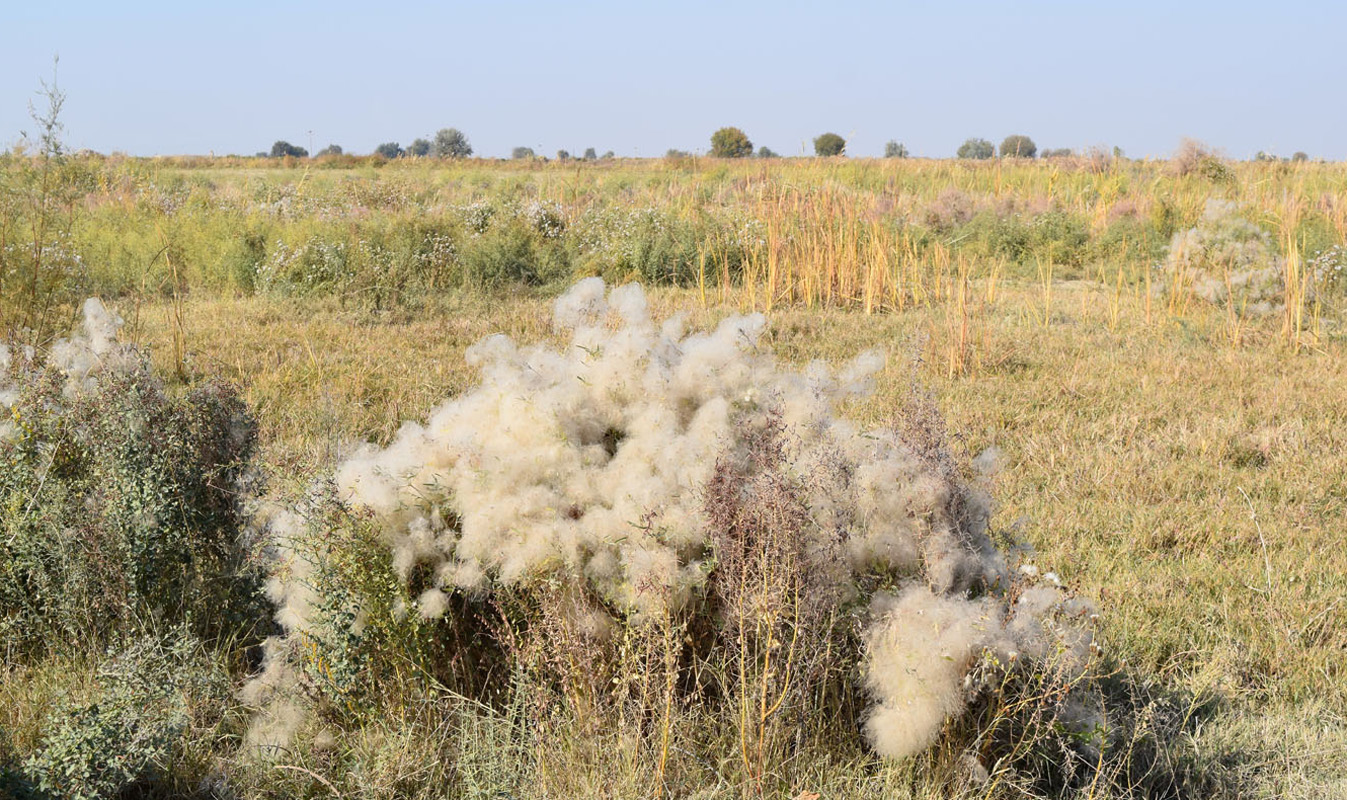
[(1225, 259), (588, 464)]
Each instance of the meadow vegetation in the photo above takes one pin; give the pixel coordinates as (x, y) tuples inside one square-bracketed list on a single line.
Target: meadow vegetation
[(1073, 531)]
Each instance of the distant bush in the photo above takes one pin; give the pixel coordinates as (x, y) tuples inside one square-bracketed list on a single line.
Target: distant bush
[(389, 150), (1058, 152), (730, 143), (590, 154), (331, 150), (675, 154), (609, 154), (976, 149), (1018, 146), (282, 148), (894, 149), (1300, 156), (1194, 157), (829, 144), (451, 143), (419, 148), (766, 152), (563, 155), (520, 153)]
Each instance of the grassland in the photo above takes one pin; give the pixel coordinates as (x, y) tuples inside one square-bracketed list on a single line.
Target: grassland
[(1182, 463)]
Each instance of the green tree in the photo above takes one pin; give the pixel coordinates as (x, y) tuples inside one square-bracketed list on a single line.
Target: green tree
[(1300, 155), (829, 144), (730, 143), (283, 148), (331, 150), (1017, 145), (522, 152), (451, 143), (419, 148), (389, 150), (766, 152), (976, 148), (590, 154), (895, 150)]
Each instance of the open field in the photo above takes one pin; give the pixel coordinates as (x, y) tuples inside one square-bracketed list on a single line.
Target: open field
[(1180, 462)]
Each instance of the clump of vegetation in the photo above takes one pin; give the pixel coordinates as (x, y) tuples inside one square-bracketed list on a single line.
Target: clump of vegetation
[(681, 500), (451, 143), (1196, 158), (1018, 146), (150, 696), (893, 149), (122, 502), (1227, 260), (829, 144), (730, 143), (976, 149), (283, 149)]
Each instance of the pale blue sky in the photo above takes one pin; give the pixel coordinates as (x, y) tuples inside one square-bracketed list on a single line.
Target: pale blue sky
[(640, 78)]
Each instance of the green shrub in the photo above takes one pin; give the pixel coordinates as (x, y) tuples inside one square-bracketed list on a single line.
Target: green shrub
[(829, 144), (126, 736), (1018, 146), (976, 149), (894, 149), (730, 143), (120, 502)]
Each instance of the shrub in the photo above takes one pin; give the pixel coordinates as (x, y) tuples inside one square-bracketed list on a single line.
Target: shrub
[(766, 152), (126, 735), (140, 520), (1018, 146), (1225, 259), (330, 150), (389, 150), (1194, 157), (419, 148), (590, 155), (282, 149), (894, 149), (451, 143), (1300, 156), (730, 143), (563, 155), (1058, 152), (684, 501), (976, 149), (521, 153), (829, 144)]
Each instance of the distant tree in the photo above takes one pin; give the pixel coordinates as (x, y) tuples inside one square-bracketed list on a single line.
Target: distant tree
[(766, 152), (609, 154), (389, 150), (1017, 145), (730, 143), (590, 155), (895, 150), (563, 155), (1300, 155), (331, 150), (283, 148), (829, 144), (976, 148), (1117, 151), (261, 154), (451, 143), (674, 152), (522, 152), (1058, 152), (419, 148)]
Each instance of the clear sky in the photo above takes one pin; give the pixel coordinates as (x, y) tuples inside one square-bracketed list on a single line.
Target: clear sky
[(642, 77)]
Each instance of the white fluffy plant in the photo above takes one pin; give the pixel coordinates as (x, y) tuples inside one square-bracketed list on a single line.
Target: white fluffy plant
[(589, 464)]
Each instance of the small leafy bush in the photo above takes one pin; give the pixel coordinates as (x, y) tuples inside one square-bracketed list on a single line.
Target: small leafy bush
[(829, 144), (976, 149), (126, 736), (119, 501), (730, 143)]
